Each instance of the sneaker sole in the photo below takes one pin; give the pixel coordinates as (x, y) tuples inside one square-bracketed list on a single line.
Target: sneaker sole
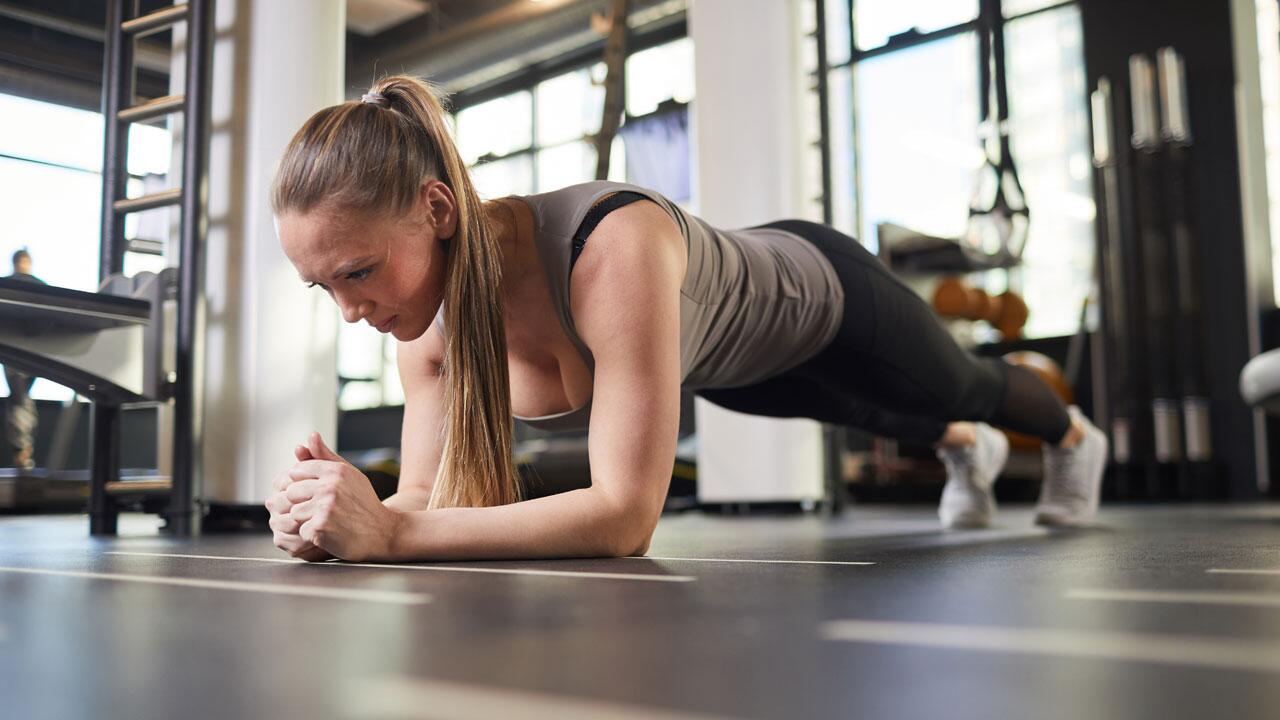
[(1055, 520), (967, 522)]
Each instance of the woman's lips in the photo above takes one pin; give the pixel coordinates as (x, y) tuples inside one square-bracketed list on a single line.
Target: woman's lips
[(390, 323)]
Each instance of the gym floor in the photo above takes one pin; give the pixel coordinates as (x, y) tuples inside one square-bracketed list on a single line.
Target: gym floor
[(1158, 612)]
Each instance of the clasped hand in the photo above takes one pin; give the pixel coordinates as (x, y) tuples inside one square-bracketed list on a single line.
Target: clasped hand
[(324, 507)]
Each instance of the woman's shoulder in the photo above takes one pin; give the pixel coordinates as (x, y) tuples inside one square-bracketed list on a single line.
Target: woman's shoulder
[(585, 194)]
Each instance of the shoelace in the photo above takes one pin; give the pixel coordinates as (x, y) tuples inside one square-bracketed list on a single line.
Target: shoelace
[(1062, 463), (961, 462)]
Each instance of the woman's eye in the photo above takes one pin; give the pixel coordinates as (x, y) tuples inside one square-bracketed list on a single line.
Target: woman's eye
[(319, 285), (359, 274)]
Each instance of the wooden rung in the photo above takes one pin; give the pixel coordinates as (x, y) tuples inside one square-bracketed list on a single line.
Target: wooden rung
[(119, 487), (146, 247), (157, 20), (152, 108), (149, 202)]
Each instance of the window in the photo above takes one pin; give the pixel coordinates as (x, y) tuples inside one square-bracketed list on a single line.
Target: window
[(1049, 126), (918, 150), (569, 105), (914, 126), (51, 195), (495, 128), (660, 73)]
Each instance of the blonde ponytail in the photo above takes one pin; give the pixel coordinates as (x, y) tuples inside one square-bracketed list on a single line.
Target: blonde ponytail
[(373, 155)]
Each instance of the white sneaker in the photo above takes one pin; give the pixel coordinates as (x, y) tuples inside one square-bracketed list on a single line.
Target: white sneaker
[(967, 500), (1073, 478)]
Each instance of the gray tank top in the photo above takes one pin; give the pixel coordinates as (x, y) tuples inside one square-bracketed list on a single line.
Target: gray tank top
[(754, 303)]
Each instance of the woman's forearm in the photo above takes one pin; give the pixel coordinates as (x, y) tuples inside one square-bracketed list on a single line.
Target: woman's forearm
[(578, 523), (407, 500)]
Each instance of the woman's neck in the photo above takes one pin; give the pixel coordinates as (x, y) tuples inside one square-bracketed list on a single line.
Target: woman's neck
[(501, 220)]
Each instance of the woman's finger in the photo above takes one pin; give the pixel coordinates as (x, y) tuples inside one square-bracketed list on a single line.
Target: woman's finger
[(300, 549), (281, 481), (302, 511), (321, 451), (284, 523), (277, 503), (310, 469), (301, 491), (311, 531), (312, 554), (289, 542)]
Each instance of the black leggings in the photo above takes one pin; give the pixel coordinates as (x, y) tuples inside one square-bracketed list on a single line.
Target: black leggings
[(892, 369)]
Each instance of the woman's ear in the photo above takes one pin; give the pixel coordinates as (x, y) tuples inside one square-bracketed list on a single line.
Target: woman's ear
[(441, 208)]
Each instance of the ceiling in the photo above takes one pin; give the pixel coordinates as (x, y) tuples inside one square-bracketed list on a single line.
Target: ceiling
[(370, 17), (52, 49)]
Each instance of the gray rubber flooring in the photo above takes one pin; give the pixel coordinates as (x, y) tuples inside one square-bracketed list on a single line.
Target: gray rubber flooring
[(1158, 613)]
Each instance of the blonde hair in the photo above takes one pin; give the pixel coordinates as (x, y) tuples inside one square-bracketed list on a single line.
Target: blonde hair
[(372, 155)]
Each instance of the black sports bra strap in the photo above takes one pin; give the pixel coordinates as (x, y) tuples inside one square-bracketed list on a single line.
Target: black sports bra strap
[(596, 214)]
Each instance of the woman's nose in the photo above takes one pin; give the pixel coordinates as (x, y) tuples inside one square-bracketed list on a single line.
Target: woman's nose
[(355, 310)]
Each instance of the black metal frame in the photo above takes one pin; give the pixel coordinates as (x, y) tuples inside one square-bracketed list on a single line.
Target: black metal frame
[(124, 24), (834, 437)]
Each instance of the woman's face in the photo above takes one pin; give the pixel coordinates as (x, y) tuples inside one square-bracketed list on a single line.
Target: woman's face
[(384, 270)]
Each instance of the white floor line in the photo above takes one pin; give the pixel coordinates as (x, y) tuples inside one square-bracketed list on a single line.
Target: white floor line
[(732, 560), (1231, 571), (383, 596), (1252, 599), (436, 568), (411, 698), (1223, 653)]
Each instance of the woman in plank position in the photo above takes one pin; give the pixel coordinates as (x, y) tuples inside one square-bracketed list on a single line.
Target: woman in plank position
[(592, 307)]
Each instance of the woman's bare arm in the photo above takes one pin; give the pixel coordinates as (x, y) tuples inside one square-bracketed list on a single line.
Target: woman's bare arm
[(420, 442), (626, 295)]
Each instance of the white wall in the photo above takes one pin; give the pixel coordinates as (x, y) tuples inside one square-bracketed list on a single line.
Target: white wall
[(747, 150), (269, 368)]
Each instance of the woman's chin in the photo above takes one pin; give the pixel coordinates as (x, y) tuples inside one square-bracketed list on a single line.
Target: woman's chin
[(405, 332)]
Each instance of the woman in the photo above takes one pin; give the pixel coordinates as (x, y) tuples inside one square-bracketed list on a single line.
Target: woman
[(592, 306)]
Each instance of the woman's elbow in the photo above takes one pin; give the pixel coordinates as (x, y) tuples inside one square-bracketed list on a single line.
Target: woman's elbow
[(630, 523), (643, 548), (633, 542)]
